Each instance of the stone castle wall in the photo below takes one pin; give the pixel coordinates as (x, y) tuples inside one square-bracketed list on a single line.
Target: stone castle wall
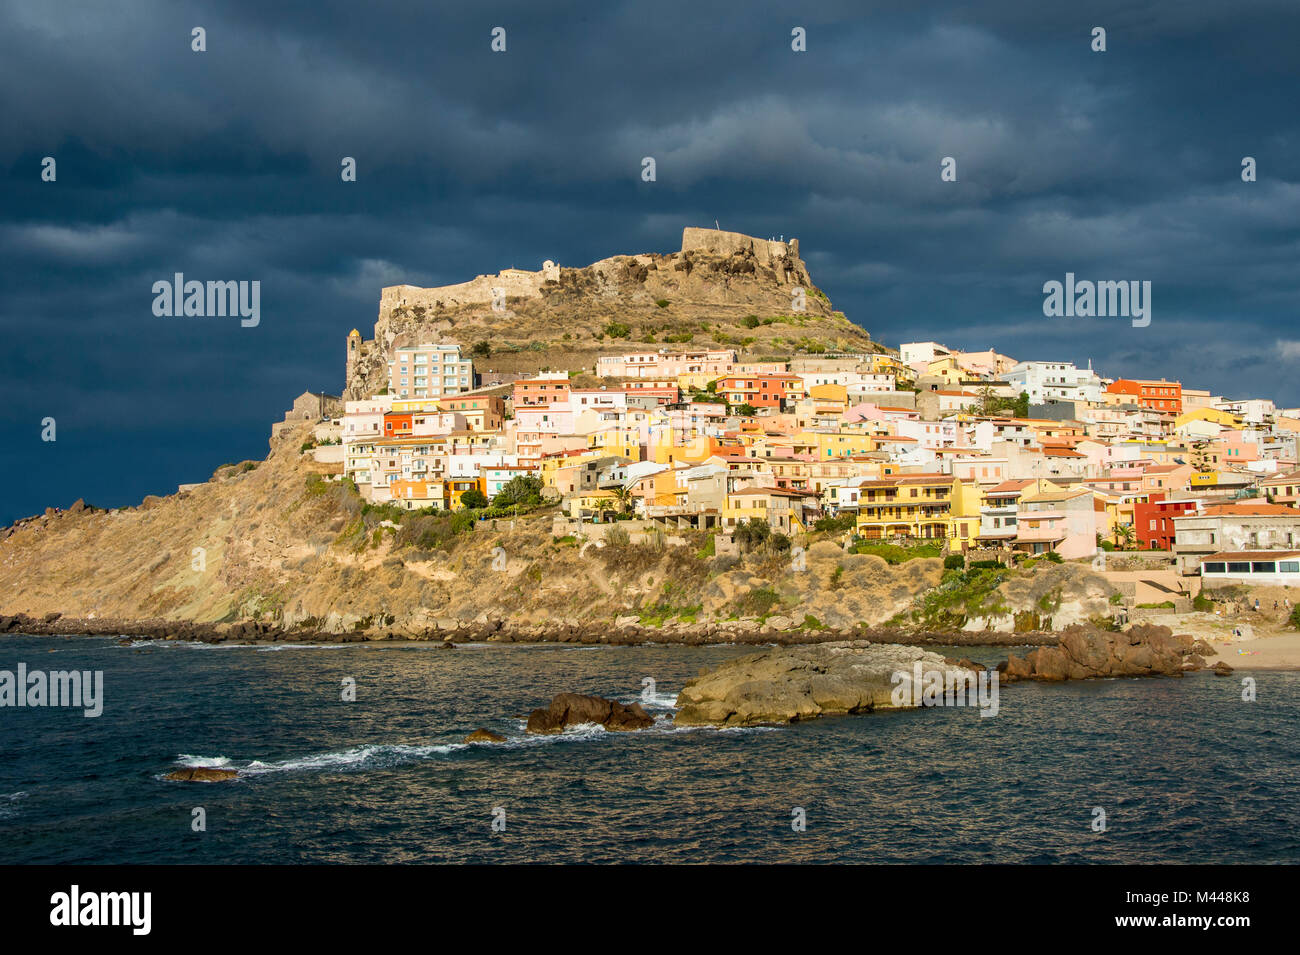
[(477, 291)]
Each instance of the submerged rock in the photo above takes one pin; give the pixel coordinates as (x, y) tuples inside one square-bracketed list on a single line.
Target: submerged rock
[(787, 684), (202, 774), (573, 709)]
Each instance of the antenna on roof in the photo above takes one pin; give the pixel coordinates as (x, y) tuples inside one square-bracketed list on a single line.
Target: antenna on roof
[(716, 226)]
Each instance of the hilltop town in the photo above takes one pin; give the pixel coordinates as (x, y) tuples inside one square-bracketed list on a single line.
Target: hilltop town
[(977, 451), (706, 449)]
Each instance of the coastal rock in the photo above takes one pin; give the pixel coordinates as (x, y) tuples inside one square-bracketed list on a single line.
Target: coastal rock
[(1084, 652), (202, 774), (787, 684), (482, 735), (1222, 669), (572, 709)]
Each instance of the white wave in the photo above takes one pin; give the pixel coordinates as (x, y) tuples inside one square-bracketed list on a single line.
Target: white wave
[(142, 642), (303, 646), (202, 762), (7, 808), (358, 757), (658, 701)]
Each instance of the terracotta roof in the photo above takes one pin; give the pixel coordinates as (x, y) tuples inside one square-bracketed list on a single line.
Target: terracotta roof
[(1251, 510)]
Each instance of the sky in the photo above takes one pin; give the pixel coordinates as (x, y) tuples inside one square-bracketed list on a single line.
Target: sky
[(225, 165)]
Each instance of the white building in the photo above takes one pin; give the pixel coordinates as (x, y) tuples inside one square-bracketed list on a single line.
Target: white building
[(1047, 381)]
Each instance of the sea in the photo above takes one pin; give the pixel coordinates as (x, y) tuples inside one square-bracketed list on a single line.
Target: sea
[(1106, 771)]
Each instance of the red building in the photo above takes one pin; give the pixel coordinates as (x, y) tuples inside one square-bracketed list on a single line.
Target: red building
[(1154, 520), (1163, 396)]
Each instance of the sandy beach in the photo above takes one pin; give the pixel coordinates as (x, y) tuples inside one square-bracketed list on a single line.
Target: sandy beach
[(1244, 638)]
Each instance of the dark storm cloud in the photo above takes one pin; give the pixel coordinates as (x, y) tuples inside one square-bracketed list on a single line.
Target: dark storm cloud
[(224, 165)]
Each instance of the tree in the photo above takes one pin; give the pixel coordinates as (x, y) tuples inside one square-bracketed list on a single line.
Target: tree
[(481, 350), (751, 534), (1125, 536), (524, 490), (624, 498), (473, 498), (746, 410)]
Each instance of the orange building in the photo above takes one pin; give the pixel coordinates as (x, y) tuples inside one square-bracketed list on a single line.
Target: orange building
[(397, 424), (1163, 396), (760, 391)]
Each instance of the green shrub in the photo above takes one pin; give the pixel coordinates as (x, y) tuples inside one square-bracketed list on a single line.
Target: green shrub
[(894, 554), (1054, 557), (473, 498), (954, 562), (845, 522)]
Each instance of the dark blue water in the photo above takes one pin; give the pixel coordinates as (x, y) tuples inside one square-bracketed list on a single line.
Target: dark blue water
[(1185, 771)]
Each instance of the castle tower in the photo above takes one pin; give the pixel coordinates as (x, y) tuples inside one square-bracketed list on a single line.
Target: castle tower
[(354, 354)]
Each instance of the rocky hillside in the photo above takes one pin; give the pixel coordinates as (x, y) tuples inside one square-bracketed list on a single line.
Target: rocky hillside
[(722, 289), (272, 546)]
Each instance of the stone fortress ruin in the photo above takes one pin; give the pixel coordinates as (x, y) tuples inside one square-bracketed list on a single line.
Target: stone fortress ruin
[(713, 268)]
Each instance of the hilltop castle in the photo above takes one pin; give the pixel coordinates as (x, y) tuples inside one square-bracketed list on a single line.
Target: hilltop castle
[(713, 267)]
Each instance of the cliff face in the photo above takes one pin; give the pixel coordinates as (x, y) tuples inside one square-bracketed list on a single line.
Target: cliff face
[(559, 317)]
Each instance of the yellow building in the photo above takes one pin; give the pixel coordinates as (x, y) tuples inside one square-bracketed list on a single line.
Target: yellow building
[(829, 395), (964, 514), (586, 505), (843, 444), (947, 369), (1213, 415), (620, 442), (784, 511), (456, 488), (919, 505)]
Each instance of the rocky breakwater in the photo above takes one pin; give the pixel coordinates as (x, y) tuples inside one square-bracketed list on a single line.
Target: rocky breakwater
[(788, 684), (1084, 652)]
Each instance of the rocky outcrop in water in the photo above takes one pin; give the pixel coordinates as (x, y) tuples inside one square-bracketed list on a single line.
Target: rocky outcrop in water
[(788, 684), (482, 735), (1084, 652), (202, 774), (574, 709)]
